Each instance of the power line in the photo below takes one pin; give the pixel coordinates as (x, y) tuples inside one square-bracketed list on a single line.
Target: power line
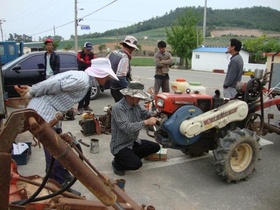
[(118, 21), (73, 20), (31, 11), (100, 8)]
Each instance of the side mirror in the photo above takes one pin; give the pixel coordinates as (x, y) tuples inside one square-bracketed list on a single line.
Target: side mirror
[(16, 68)]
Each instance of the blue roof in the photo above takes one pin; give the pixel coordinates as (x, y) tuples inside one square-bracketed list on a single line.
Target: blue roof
[(211, 49)]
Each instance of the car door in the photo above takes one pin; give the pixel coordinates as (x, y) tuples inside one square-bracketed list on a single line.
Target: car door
[(26, 72), (68, 62)]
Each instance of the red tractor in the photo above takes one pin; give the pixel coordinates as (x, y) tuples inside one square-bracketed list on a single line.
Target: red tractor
[(196, 123)]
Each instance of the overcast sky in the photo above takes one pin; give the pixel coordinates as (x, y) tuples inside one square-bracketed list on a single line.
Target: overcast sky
[(38, 18)]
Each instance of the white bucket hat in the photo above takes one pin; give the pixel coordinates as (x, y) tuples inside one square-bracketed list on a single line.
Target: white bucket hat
[(135, 90), (130, 41), (101, 68)]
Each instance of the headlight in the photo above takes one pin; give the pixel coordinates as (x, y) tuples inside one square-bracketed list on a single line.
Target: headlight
[(160, 102)]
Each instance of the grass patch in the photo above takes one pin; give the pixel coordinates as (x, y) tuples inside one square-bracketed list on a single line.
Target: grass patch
[(142, 61)]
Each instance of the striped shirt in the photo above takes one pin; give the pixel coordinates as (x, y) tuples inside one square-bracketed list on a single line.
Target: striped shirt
[(120, 62), (59, 93), (127, 121)]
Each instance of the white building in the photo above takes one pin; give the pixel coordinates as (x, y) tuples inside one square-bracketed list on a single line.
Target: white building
[(216, 58), (273, 66)]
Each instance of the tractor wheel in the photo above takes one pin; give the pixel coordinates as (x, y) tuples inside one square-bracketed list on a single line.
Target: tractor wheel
[(236, 155)]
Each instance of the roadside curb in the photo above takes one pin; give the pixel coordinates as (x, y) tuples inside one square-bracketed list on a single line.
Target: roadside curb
[(218, 71)]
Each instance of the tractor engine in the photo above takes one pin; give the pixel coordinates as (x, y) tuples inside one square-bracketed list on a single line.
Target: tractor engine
[(197, 123), (193, 122)]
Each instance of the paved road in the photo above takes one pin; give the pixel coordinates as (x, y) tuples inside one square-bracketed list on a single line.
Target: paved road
[(180, 182)]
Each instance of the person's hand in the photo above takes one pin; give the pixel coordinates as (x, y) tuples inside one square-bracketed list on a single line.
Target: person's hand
[(82, 59), (23, 91), (151, 121)]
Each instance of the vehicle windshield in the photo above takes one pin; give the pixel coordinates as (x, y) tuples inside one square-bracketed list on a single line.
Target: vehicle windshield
[(13, 62)]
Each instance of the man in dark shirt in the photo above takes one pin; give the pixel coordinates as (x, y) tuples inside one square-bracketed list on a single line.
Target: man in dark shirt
[(235, 69), (84, 61), (52, 60), (163, 60)]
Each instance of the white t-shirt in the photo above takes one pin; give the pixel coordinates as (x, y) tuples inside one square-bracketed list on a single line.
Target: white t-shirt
[(49, 71)]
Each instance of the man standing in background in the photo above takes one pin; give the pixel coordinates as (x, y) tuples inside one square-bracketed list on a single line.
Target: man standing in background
[(120, 61), (163, 60), (84, 61), (235, 69), (52, 60)]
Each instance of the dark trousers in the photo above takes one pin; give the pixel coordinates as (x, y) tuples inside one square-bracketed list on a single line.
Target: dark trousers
[(117, 95), (163, 84), (130, 159), (85, 101), (58, 170)]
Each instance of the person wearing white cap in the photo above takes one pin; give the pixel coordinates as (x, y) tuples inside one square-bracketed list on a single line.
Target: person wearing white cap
[(59, 93), (84, 58), (128, 118), (120, 60)]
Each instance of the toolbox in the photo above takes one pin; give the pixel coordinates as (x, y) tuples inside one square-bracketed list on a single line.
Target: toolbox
[(88, 127), (22, 159)]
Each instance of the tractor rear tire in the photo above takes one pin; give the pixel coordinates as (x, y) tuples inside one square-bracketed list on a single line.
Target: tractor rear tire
[(236, 155)]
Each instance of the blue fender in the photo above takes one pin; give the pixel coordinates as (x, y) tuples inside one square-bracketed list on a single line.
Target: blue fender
[(172, 125)]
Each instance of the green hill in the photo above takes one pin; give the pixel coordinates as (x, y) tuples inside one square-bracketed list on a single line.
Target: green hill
[(261, 18), (148, 32)]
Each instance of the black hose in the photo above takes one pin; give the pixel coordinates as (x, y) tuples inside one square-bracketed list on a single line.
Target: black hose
[(62, 190), (42, 185), (65, 188)]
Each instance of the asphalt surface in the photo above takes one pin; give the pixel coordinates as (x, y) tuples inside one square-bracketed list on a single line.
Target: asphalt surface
[(180, 182)]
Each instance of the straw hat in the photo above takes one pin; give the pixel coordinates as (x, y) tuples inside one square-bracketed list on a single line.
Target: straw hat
[(130, 41)]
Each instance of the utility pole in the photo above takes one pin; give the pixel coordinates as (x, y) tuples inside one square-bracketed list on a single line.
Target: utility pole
[(76, 25), (1, 22), (204, 22), (53, 31)]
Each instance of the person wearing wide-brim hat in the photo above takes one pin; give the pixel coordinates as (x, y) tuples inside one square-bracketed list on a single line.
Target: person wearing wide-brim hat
[(59, 93), (128, 118), (120, 60)]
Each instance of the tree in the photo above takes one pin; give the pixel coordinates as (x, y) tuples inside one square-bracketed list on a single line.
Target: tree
[(20, 38), (256, 47), (68, 47), (102, 47), (184, 36)]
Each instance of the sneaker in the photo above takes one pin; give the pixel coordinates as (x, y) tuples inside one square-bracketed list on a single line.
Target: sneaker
[(117, 172), (88, 109), (80, 111)]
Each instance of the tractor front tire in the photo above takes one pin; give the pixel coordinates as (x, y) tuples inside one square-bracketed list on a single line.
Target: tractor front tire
[(236, 155)]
